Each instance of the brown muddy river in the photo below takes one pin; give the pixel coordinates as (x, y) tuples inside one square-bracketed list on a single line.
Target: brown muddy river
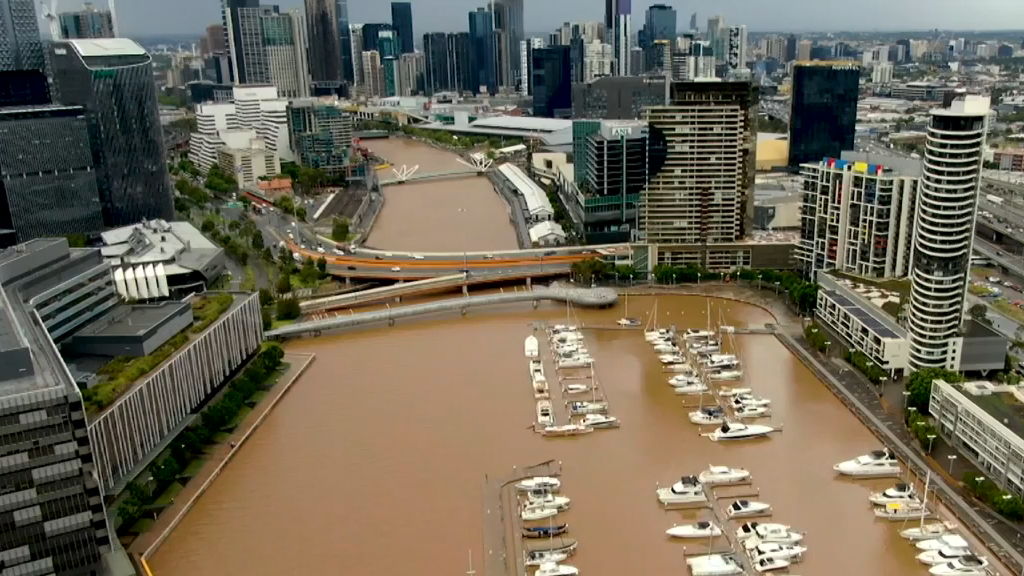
[(448, 215), (374, 462)]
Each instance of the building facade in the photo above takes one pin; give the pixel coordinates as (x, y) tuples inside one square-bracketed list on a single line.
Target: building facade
[(321, 134), (618, 23), (509, 32), (20, 45), (484, 73), (616, 161), (823, 115), (946, 209), (736, 48), (858, 217), (1012, 160), (285, 49), (325, 56), (112, 79), (411, 69), (618, 98), (552, 84), (526, 48), (401, 19), (704, 193), (373, 74), (597, 61), (344, 40), (47, 179), (86, 23)]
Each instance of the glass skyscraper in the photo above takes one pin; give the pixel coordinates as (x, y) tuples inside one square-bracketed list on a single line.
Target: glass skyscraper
[(552, 83), (481, 37), (112, 79), (325, 61), (86, 23), (344, 35), (401, 19), (824, 110), (20, 46)]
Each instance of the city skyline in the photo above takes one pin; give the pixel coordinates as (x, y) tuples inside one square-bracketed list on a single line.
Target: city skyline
[(150, 17)]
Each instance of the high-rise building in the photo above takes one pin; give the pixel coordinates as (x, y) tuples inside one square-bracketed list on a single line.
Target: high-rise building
[(693, 22), (215, 41), (401, 19), (509, 32), (823, 115), (321, 133), (229, 12), (86, 23), (618, 98), (703, 196), (372, 34), (112, 79), (285, 47), (882, 74), (460, 62), (411, 68), (344, 40), (249, 47), (946, 208), (716, 37), (597, 61), (619, 31), (249, 112), (392, 76), (481, 35), (47, 181), (577, 53), (803, 50), (57, 523), (20, 45), (435, 63), (736, 55), (552, 85), (373, 74), (526, 48), (616, 162), (774, 47), (857, 215), (791, 48), (698, 63), (659, 24), (325, 61), (388, 43), (356, 56), (24, 88)]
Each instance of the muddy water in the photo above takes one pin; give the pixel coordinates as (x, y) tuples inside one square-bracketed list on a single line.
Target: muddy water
[(374, 462), (448, 215)]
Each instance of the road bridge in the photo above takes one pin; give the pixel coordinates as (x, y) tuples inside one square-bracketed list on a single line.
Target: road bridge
[(999, 256), (585, 297), (382, 293)]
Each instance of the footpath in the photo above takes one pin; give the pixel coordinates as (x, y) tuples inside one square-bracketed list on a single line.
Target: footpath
[(216, 460), (862, 397)]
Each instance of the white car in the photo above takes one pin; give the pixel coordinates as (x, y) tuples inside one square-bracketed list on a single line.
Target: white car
[(303, 246), (339, 252), (320, 249), (291, 236), (993, 279), (417, 256), (396, 268), (489, 257)]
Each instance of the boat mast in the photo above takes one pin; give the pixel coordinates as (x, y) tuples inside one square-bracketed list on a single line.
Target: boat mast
[(470, 572), (924, 502)]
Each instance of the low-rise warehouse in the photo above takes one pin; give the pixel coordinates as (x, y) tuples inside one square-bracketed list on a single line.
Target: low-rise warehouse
[(538, 207)]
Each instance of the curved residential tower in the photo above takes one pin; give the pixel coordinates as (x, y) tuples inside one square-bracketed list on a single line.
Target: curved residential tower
[(946, 207)]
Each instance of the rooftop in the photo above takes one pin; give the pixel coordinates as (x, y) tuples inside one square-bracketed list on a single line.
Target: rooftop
[(107, 47), (131, 320), (157, 241), (1004, 407)]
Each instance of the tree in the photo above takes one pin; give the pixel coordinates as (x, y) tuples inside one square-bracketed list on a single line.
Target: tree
[(288, 309), (208, 225), (166, 472), (321, 265), (300, 212), (257, 241), (266, 298), (77, 240), (920, 386), (285, 204), (284, 284), (339, 229), (309, 274), (265, 316)]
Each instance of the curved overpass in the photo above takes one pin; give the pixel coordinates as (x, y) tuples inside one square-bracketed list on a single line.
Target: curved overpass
[(587, 297)]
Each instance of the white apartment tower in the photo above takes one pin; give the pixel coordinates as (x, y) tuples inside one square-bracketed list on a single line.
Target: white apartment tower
[(857, 216), (944, 235), (736, 50), (526, 48), (373, 74), (255, 111), (597, 61), (356, 33)]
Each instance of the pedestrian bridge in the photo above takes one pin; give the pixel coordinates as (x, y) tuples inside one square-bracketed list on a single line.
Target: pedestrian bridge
[(477, 164), (585, 297)]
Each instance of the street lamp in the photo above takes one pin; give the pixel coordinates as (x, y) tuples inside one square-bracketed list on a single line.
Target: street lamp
[(673, 279), (827, 344), (758, 281), (776, 288), (698, 278), (906, 399), (931, 438), (951, 458)]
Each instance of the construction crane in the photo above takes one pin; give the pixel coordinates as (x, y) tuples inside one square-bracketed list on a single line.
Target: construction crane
[(50, 14)]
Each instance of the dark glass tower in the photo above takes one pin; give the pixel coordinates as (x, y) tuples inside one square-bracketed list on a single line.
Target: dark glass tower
[(47, 182), (371, 35), (20, 46), (112, 79), (552, 82), (824, 110), (325, 61), (435, 66), (87, 23), (344, 41), (230, 18), (401, 19), (481, 36)]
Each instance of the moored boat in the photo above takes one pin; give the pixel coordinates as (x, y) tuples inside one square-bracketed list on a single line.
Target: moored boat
[(549, 483), (874, 464), (944, 541), (776, 550), (770, 564), (529, 514), (942, 555), (737, 431), (556, 544), (600, 421), (555, 569), (747, 508), (531, 347), (730, 392), (901, 492), (702, 529), (723, 476), (708, 415), (576, 408), (726, 375), (926, 531), (758, 532), (544, 531), (545, 499), (747, 411), (566, 430), (902, 511), (714, 565), (545, 417), (965, 566), (691, 334), (539, 557), (688, 491), (690, 389)]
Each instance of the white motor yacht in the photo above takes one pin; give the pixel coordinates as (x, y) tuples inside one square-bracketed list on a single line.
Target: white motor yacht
[(965, 566), (666, 349), (944, 541), (576, 388), (549, 483), (769, 564), (582, 361), (688, 491), (545, 499), (706, 349), (759, 532), (545, 417), (942, 555), (529, 514), (730, 392), (745, 411), (541, 556), (580, 407), (928, 531), (555, 569), (681, 367), (776, 550), (708, 415), (540, 388), (660, 334), (700, 529), (871, 465), (720, 362), (723, 476), (692, 388), (714, 565), (531, 347), (727, 375), (691, 334), (566, 430), (747, 399), (671, 359), (902, 511), (680, 379), (747, 508), (899, 493), (600, 421), (737, 431), (536, 369)]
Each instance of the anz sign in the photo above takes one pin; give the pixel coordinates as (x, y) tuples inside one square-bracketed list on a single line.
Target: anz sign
[(621, 132)]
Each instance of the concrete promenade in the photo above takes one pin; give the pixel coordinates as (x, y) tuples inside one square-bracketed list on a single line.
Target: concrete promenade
[(146, 544)]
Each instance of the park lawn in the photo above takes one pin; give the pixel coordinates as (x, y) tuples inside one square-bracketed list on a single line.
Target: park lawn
[(237, 420), (193, 468), (168, 496)]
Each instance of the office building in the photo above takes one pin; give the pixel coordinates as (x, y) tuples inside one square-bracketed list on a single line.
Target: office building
[(24, 88), (508, 32), (803, 50), (47, 180), (401, 19), (615, 163), (410, 73), (373, 74), (20, 45), (344, 40), (215, 40), (435, 63), (86, 23), (552, 85), (619, 29), (693, 22), (703, 195), (231, 21), (253, 112), (882, 73), (112, 79), (461, 62), (1004, 51), (356, 55), (577, 53), (774, 47), (321, 133), (56, 522), (697, 63), (372, 34), (175, 255), (246, 156), (791, 48), (736, 50), (946, 209), (392, 78), (858, 216), (325, 56), (387, 43), (659, 24), (618, 98), (597, 61), (823, 115), (1009, 159), (717, 37), (448, 63), (526, 48), (930, 91), (285, 49), (484, 73)]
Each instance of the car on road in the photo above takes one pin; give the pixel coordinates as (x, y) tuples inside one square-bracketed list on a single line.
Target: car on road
[(320, 249), (378, 257), (551, 253), (291, 236), (339, 251), (303, 246), (396, 268), (489, 257), (993, 279), (418, 256), (351, 267)]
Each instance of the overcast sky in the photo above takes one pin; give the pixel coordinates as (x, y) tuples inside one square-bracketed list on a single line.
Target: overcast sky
[(144, 17)]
